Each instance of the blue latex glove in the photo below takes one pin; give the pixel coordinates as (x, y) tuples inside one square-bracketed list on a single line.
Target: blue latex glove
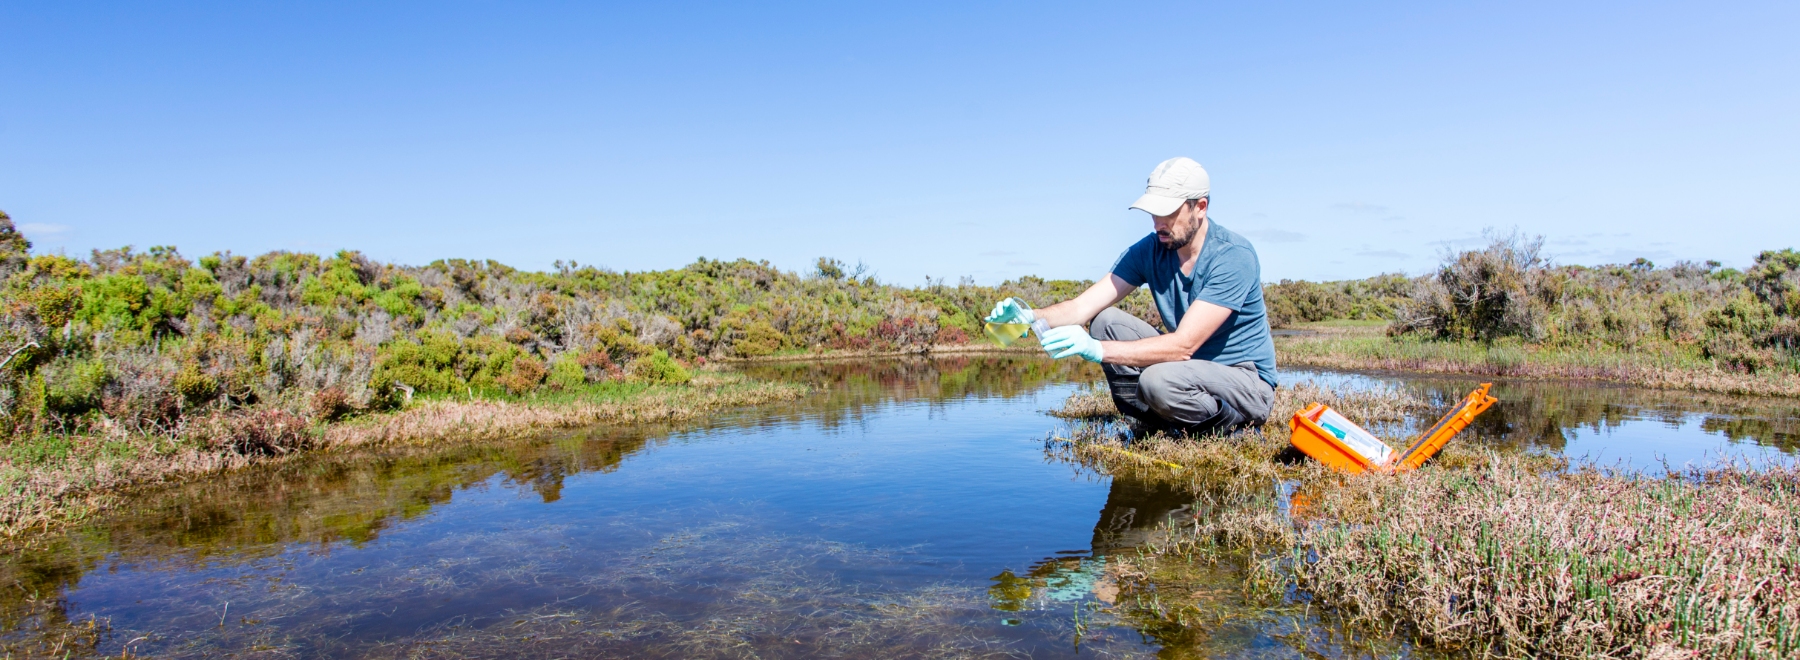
[(1010, 311), (1071, 340)]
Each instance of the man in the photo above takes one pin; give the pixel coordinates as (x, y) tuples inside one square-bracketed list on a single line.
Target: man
[(1214, 371)]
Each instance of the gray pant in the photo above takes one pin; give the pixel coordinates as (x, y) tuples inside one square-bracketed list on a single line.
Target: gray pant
[(1197, 396)]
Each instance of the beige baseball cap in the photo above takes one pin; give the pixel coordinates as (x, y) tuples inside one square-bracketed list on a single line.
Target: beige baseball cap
[(1173, 182)]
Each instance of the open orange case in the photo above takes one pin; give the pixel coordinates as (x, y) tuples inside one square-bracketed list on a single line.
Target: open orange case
[(1323, 434)]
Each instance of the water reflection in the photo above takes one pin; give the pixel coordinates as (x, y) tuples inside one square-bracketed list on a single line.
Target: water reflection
[(1609, 425), (905, 508), (840, 524)]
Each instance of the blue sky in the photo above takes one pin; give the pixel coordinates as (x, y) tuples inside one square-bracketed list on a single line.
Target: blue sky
[(983, 139)]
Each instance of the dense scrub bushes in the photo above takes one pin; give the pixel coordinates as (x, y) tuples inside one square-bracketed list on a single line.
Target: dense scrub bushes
[(154, 343), (1743, 321), (1483, 294), (1300, 301), (1508, 292)]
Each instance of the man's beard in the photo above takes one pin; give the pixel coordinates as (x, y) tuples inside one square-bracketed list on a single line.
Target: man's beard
[(1174, 243)]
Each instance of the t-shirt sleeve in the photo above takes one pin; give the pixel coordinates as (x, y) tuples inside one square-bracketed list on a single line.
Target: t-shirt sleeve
[(1231, 280), (1133, 265)]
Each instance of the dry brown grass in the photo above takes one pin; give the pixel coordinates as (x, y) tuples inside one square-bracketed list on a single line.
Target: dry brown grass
[(1090, 403), (478, 420), (1364, 348), (1507, 560), (826, 353), (1481, 553), (1249, 457)]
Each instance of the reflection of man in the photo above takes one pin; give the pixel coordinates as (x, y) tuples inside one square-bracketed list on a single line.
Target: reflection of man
[(1215, 368), (1133, 511)]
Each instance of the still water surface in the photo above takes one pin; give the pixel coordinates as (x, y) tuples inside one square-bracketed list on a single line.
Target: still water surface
[(907, 508)]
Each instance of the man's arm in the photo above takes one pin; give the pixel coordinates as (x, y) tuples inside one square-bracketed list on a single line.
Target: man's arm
[(1083, 308), (1202, 320)]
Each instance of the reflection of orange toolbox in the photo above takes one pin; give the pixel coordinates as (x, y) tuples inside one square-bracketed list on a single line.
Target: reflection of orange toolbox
[(1325, 435)]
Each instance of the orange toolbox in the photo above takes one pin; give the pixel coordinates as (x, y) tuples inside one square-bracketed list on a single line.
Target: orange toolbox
[(1324, 434)]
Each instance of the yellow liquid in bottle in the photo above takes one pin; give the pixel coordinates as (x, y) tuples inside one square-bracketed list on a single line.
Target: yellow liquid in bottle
[(1005, 334)]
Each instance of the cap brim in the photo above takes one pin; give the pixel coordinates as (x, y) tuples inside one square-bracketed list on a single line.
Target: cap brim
[(1157, 204)]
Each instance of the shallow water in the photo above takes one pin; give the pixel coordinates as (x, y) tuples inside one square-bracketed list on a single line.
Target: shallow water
[(905, 509), (1605, 425)]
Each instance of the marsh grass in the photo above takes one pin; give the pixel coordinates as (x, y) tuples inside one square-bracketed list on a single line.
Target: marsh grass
[(1256, 456), (824, 353), (65, 479), (1093, 402), (485, 419), (1480, 553), (1505, 559), (1364, 348)]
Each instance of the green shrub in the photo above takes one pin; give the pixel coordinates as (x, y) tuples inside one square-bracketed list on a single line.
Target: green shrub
[(195, 386), (428, 366), (74, 386), (1775, 279), (759, 339), (567, 373), (660, 368)]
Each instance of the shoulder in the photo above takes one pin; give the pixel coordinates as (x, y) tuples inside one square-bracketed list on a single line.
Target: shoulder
[(1233, 248), (1136, 262)]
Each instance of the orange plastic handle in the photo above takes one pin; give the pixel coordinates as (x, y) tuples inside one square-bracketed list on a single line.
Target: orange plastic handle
[(1446, 427)]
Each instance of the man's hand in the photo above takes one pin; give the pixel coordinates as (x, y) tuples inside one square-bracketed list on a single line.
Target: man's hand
[(1010, 311), (1071, 340)]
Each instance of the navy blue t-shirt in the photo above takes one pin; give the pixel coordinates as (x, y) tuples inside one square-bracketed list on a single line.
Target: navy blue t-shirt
[(1227, 274)]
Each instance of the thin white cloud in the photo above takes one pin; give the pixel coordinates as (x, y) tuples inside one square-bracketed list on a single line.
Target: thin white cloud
[(43, 228), (1384, 254)]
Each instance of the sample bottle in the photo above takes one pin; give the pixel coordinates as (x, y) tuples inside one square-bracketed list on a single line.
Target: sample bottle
[(1006, 334), (1363, 442)]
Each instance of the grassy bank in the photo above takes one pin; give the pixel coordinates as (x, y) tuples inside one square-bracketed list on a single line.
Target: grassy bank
[(1505, 309), (822, 353), (1367, 345), (51, 479), (1480, 553)]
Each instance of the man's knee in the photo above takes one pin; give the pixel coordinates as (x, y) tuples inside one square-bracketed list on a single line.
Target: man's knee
[(1160, 389), (1113, 323)]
